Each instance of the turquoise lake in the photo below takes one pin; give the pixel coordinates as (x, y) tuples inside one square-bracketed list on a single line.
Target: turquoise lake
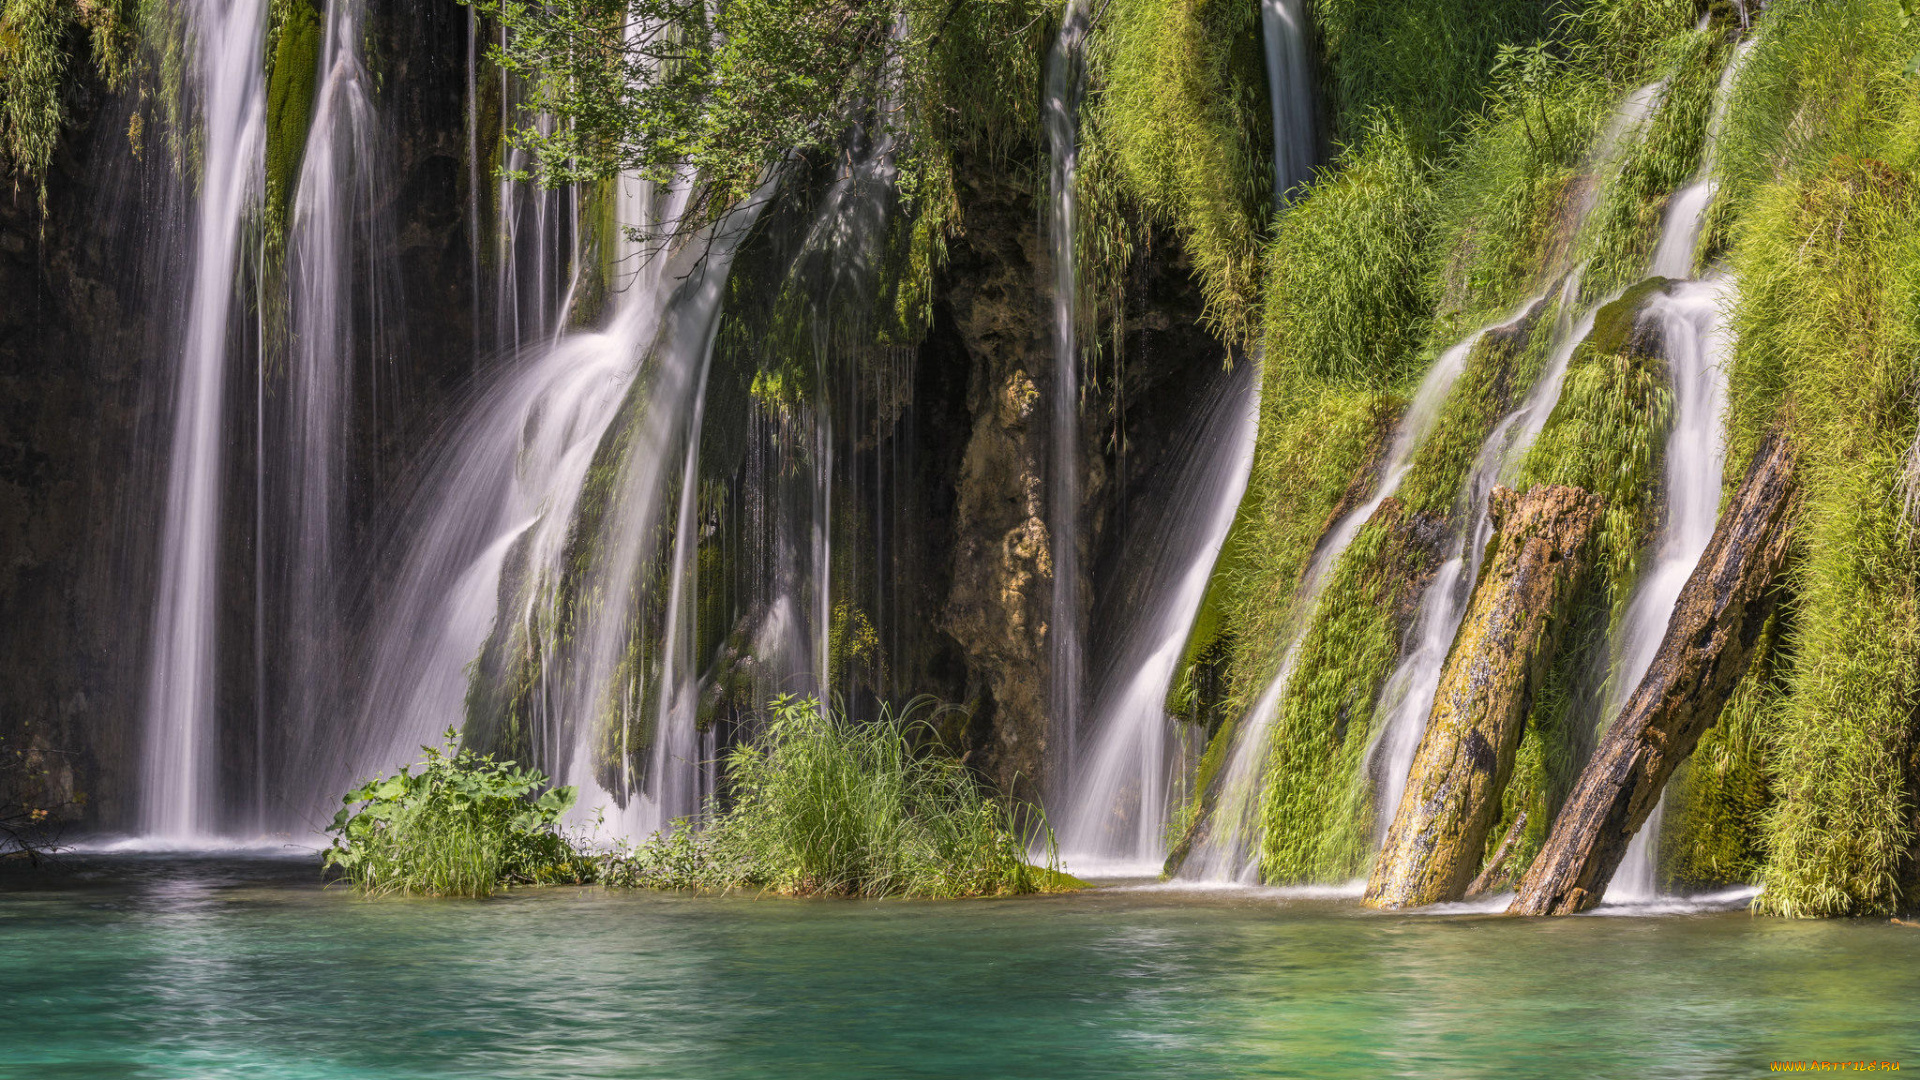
[(148, 967)]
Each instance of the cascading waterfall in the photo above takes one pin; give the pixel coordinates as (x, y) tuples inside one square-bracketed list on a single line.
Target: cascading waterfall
[(1283, 25), (1116, 809), (1061, 109), (1696, 346), (178, 792), (559, 533), (1115, 817), (1692, 328), (1407, 697), (536, 235), (1224, 853), (496, 514)]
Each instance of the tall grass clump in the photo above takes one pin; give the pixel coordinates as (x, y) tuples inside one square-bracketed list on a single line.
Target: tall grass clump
[(1817, 168), (825, 805), (34, 70), (1424, 64), (463, 825), (1829, 265)]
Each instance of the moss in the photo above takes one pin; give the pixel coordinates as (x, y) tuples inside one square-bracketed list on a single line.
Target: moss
[(1606, 435), (1316, 811), (853, 642), (1499, 372), (1627, 220), (502, 680), (1829, 265), (1716, 802), (1178, 106), (291, 75), (1047, 880)]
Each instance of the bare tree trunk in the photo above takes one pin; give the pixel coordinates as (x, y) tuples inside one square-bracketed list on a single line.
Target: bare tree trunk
[(1499, 658), (1708, 646)]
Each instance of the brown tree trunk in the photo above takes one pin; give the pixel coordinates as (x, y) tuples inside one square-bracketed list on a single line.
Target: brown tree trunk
[(1709, 643), (1486, 690), (1490, 873)]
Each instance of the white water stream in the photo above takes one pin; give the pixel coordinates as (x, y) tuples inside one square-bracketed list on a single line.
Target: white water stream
[(1114, 821), (1228, 850), (339, 269), (1283, 25), (1692, 327), (1408, 695), (179, 795), (1060, 114)]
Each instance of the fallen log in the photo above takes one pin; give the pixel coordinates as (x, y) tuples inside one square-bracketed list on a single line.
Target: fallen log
[(1538, 562), (1709, 643), (1490, 873)]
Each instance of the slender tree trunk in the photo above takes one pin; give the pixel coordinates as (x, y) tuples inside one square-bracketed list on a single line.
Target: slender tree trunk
[(1489, 873), (1708, 646), (1506, 641)]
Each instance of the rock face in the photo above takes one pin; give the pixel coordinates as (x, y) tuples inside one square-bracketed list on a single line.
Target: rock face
[(1505, 644), (993, 314), (1709, 644), (1002, 558), (72, 347)]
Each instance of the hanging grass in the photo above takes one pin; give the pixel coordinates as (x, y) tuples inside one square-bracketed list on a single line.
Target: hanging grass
[(1829, 266)]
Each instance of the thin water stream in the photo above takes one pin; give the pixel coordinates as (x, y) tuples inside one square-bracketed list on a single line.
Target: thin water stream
[(1227, 851), (1115, 816), (1691, 317), (1065, 74), (1284, 34), (179, 795)]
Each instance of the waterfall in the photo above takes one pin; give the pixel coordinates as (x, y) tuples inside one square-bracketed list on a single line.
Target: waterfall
[(336, 306), (1686, 212), (1115, 818), (1283, 25), (1406, 698), (1692, 328), (1061, 107), (500, 513), (1689, 315), (178, 791), (1228, 850), (536, 230)]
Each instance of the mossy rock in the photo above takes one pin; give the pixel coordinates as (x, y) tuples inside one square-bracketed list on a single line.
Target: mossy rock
[(1056, 881), (290, 88)]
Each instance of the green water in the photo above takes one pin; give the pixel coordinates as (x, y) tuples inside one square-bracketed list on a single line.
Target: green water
[(131, 967)]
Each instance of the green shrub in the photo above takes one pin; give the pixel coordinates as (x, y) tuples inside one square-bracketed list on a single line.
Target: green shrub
[(824, 805), (463, 825)]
